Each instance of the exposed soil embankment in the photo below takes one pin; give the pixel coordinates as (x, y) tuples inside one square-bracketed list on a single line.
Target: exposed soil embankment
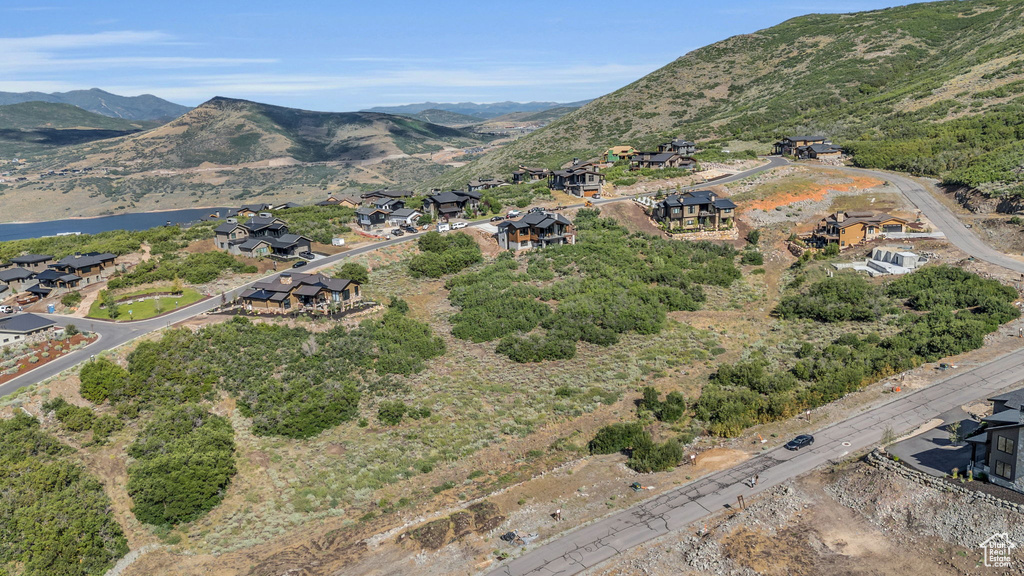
[(977, 201)]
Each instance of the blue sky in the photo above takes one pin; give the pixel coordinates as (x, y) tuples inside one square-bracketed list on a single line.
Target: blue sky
[(348, 55)]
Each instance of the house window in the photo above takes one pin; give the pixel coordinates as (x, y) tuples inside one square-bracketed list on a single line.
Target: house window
[(675, 210), (689, 222), (1003, 469), (691, 209), (1004, 444)]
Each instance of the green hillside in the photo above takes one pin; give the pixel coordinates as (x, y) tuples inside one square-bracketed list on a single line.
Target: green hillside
[(33, 127), (932, 88), (143, 107), (445, 118)]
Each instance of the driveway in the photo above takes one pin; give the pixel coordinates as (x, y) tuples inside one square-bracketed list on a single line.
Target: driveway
[(931, 451)]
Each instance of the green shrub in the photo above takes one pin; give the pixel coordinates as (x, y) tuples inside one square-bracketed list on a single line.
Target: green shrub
[(98, 377), (353, 271), (71, 299), (751, 258), (184, 461), (73, 418), (649, 456), (391, 412), (618, 437)]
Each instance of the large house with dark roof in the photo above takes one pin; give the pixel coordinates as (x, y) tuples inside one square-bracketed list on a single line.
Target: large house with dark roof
[(660, 160), (695, 211), (34, 262), (378, 194), (853, 227), (788, 146), (679, 146), (293, 292), (536, 230), (526, 175), (996, 446), (584, 181), (21, 328), (454, 204), (262, 235), (17, 279), (91, 267), (484, 184)]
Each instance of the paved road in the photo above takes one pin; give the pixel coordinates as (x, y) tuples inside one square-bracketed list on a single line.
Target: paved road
[(944, 219), (672, 511), (114, 334), (597, 542)]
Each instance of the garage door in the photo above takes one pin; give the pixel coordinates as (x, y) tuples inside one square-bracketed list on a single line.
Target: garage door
[(892, 228)]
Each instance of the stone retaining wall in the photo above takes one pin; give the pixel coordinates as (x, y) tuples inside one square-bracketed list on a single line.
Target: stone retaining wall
[(880, 460), (731, 234)]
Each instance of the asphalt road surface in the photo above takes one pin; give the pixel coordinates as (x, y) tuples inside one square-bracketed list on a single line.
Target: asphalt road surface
[(944, 219), (592, 544), (114, 334)]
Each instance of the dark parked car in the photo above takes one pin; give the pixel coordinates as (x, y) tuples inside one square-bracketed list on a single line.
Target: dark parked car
[(497, 218), (799, 442), (299, 264), (408, 228), (536, 209), (307, 255), (397, 232)]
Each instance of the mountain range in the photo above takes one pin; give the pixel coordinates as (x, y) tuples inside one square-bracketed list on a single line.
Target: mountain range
[(480, 111), (36, 127), (144, 107), (934, 88)]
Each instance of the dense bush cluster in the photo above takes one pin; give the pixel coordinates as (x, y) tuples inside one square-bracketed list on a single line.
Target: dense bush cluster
[(289, 381), (609, 283), (444, 254), (671, 409), (318, 223), (645, 455), (161, 239), (197, 268), (842, 298), (54, 516), (960, 309), (184, 461)]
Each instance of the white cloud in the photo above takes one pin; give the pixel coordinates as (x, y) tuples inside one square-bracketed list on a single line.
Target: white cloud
[(53, 42)]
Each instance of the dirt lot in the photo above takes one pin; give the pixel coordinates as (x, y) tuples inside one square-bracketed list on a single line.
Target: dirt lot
[(848, 519)]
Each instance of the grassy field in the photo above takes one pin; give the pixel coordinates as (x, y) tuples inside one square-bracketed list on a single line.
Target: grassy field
[(147, 308)]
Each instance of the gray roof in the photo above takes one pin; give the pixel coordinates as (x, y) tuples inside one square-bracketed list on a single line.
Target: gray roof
[(366, 211), (15, 274), (724, 204), (31, 258), (24, 323), (84, 260), (251, 243), (536, 220), (805, 138), (404, 213), (1005, 417), (227, 227), (49, 274), (454, 196), (286, 240), (3, 288), (682, 143), (820, 148), (388, 194), (1013, 399)]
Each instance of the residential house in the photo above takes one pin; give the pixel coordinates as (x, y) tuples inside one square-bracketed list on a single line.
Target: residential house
[(660, 160), (286, 206), (378, 194), (371, 217), (292, 291), (536, 230), (90, 267), (454, 204), (788, 146), (996, 447), (404, 216), (616, 153), (484, 184), (34, 262), (250, 210), (819, 151), (25, 328), (347, 200), (696, 210), (578, 180), (262, 235), (679, 146), (526, 175), (851, 228), (18, 279), (53, 278)]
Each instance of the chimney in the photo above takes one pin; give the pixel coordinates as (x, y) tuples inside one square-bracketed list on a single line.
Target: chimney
[(286, 278), (840, 216), (575, 161), (78, 255)]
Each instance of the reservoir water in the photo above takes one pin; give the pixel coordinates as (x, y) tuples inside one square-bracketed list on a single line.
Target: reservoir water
[(138, 221)]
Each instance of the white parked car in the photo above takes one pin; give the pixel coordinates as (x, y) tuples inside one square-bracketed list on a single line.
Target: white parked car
[(458, 225), (6, 309)]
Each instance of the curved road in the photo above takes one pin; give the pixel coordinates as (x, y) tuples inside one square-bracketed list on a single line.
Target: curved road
[(114, 334), (592, 544)]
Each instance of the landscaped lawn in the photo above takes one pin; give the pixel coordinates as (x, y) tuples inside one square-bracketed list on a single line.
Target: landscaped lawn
[(147, 308)]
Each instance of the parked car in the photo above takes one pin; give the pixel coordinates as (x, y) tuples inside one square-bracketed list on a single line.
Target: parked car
[(513, 213), (299, 264), (559, 207), (397, 232), (535, 209), (444, 227), (799, 442), (497, 218), (458, 225), (408, 228), (6, 309), (307, 255), (597, 196)]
